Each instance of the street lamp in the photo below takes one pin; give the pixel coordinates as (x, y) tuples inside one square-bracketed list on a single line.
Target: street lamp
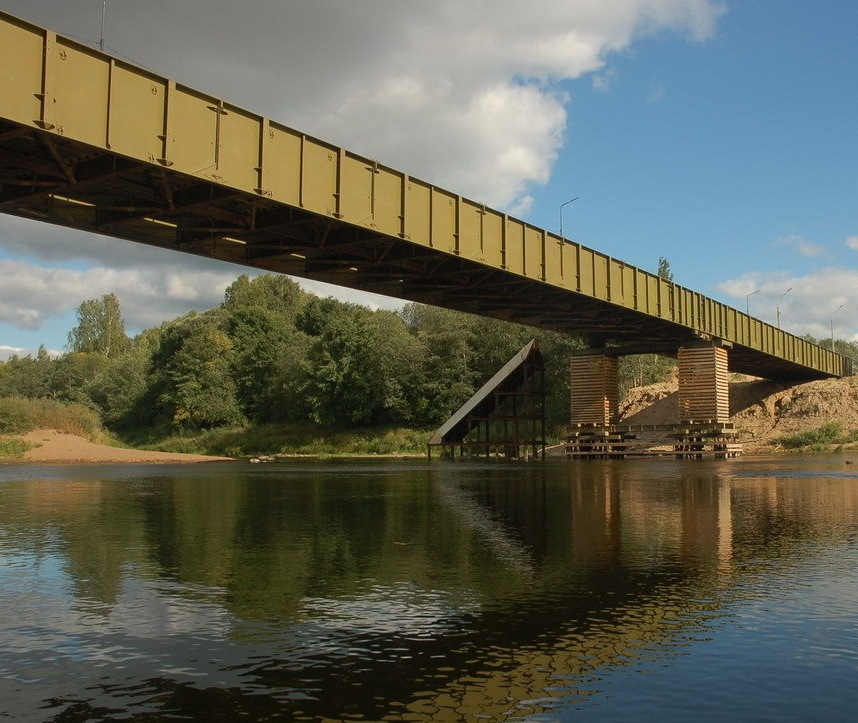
[(561, 213), (748, 301), (103, 13), (778, 308), (832, 325)]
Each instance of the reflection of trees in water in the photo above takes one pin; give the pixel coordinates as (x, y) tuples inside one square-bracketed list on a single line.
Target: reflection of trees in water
[(469, 589)]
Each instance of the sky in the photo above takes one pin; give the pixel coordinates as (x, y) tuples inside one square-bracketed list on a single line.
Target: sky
[(718, 134)]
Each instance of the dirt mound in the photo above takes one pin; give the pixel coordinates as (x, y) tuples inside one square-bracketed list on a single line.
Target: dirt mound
[(761, 410)]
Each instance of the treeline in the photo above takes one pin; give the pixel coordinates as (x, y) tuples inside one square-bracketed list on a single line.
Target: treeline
[(272, 353)]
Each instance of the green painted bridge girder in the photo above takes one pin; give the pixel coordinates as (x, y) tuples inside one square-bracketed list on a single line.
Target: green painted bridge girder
[(92, 142)]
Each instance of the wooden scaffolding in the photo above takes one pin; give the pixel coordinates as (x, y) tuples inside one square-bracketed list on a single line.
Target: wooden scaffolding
[(505, 418)]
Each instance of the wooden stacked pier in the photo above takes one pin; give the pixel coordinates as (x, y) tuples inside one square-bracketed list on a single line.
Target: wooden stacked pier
[(703, 428)]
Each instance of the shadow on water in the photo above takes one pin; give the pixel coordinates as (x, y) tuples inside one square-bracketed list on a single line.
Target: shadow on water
[(385, 590)]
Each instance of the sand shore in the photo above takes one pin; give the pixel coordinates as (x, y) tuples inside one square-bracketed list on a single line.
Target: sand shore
[(57, 448)]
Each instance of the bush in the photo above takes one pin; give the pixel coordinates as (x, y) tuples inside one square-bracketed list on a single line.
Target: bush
[(13, 448), (19, 416), (815, 438)]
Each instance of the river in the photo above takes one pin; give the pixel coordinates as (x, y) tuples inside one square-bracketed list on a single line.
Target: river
[(654, 589)]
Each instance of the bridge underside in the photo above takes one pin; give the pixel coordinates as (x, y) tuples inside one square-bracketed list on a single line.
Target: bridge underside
[(92, 142), (50, 178)]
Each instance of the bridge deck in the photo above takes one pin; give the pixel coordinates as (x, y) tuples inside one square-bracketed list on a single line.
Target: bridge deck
[(91, 142)]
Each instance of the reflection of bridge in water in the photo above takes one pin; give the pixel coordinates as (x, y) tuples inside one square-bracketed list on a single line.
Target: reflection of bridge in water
[(471, 592), (639, 586), (92, 142)]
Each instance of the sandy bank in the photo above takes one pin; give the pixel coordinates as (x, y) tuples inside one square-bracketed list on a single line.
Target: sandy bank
[(58, 448)]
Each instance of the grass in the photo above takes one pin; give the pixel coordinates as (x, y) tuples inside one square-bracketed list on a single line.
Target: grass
[(818, 439), (13, 448), (19, 416), (296, 439)]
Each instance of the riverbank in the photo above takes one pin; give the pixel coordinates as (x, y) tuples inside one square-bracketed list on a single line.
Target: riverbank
[(48, 446), (768, 416)]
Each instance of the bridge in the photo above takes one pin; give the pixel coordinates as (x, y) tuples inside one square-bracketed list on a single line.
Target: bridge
[(91, 142)]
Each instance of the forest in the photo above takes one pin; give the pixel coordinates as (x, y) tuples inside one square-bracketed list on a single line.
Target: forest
[(273, 354), (273, 360)]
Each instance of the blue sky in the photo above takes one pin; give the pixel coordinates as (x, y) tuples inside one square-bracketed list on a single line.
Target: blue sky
[(720, 135)]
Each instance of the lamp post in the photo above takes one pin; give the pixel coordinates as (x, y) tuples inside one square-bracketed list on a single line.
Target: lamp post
[(832, 325), (778, 307), (748, 301), (561, 213), (103, 13)]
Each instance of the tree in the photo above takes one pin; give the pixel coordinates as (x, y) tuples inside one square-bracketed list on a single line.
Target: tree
[(444, 370), (269, 352), (664, 271), (275, 292), (193, 385), (100, 328), (28, 377), (118, 389), (359, 369)]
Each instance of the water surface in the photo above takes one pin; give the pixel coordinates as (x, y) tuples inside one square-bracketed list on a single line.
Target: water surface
[(569, 590)]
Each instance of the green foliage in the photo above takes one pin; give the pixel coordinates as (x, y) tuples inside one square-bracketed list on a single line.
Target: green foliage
[(273, 354), (28, 377), (13, 448), (100, 328), (664, 271), (640, 370), (273, 292), (269, 351), (302, 438), (816, 439), (119, 385), (19, 416), (359, 368), (192, 380), (444, 374)]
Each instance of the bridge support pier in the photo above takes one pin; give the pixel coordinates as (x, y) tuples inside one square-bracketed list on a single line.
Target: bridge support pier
[(703, 428), (595, 389), (704, 393)]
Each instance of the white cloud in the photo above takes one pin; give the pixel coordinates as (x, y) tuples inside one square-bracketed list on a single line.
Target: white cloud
[(801, 246), (31, 293), (7, 352), (462, 94), (852, 243), (42, 279), (807, 304)]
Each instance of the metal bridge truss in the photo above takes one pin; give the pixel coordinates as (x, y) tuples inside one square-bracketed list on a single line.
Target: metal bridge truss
[(91, 142)]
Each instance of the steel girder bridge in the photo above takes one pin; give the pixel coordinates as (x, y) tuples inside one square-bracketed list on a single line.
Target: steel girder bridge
[(91, 142)]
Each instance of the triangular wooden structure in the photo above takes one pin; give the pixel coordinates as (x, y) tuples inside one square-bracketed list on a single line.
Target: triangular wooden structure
[(506, 417)]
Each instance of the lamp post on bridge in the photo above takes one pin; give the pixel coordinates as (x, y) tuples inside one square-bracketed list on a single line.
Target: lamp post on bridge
[(778, 307), (561, 213), (832, 325), (748, 301), (103, 13)]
